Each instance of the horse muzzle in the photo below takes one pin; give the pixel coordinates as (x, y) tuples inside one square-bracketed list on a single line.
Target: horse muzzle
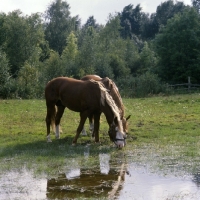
[(120, 143)]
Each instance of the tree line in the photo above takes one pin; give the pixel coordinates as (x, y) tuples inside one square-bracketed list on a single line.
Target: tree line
[(140, 51)]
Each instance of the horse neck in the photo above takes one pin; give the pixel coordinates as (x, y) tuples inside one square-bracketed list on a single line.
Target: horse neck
[(110, 116), (108, 113), (109, 107), (118, 101)]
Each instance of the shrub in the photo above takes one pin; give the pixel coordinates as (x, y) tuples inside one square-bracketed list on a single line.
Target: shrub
[(141, 86)]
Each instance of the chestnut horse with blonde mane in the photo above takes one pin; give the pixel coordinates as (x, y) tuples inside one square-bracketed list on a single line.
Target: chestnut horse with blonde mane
[(114, 92), (86, 97)]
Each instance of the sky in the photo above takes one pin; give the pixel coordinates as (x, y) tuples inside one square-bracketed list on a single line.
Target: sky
[(100, 9)]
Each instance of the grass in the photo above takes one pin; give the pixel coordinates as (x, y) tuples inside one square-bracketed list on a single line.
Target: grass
[(165, 129)]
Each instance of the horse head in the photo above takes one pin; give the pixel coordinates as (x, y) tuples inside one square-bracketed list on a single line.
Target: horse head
[(117, 135)]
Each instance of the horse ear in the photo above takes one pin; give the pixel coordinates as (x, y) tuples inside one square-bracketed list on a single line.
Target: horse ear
[(128, 118)]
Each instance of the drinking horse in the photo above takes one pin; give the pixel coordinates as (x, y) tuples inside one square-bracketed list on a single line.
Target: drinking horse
[(86, 97), (114, 92)]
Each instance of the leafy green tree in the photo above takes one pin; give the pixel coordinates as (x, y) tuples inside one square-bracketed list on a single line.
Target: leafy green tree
[(91, 22), (2, 32), (114, 46), (150, 25), (4, 68), (87, 53), (69, 55), (22, 36), (59, 24), (27, 81), (167, 10), (52, 68), (132, 57), (71, 50), (4, 76), (131, 20), (148, 60), (196, 5), (178, 48)]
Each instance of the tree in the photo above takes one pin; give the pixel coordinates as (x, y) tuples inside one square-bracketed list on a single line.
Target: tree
[(132, 57), (148, 60), (131, 21), (167, 10), (27, 81), (91, 22), (4, 75), (87, 53), (22, 37), (52, 68), (178, 48), (69, 55), (150, 25), (196, 5), (59, 24)]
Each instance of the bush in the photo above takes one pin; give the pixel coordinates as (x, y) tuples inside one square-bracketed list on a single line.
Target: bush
[(142, 86)]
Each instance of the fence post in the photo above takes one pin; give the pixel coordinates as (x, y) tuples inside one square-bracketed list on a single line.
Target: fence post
[(189, 83)]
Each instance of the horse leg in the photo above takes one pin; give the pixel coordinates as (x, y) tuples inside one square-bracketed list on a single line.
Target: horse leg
[(50, 117), (91, 123), (91, 126), (96, 126), (83, 116), (59, 114), (84, 131)]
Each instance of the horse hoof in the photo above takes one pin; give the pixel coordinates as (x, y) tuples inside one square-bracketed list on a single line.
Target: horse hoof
[(48, 141), (73, 144)]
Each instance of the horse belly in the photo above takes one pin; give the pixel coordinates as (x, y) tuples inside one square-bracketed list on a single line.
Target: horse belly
[(75, 104)]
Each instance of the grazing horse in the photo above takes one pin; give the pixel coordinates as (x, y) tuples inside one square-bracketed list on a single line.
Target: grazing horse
[(86, 97), (114, 92)]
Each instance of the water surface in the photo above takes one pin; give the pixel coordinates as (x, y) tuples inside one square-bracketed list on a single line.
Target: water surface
[(113, 177)]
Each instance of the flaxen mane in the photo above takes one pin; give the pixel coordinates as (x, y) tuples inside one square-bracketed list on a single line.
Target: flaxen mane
[(115, 94), (105, 96)]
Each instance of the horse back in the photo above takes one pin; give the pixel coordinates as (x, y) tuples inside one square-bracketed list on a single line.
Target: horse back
[(75, 94), (90, 76)]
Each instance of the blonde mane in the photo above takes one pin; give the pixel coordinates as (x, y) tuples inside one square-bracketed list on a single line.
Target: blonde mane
[(105, 96), (114, 92)]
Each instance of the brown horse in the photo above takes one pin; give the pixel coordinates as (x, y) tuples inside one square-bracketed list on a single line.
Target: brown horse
[(86, 97), (114, 92)]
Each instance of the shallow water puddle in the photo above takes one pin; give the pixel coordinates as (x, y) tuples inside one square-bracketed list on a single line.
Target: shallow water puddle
[(147, 186), (111, 179), (21, 185)]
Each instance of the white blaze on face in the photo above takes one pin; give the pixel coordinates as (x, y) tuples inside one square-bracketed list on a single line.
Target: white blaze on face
[(121, 142)]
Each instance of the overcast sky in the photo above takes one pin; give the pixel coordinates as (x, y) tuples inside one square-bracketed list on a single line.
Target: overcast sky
[(100, 9)]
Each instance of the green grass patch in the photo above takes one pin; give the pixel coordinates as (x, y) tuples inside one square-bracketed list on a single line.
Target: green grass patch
[(165, 126)]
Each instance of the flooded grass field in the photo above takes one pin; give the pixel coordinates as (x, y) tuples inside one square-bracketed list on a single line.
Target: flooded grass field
[(160, 162), (111, 176)]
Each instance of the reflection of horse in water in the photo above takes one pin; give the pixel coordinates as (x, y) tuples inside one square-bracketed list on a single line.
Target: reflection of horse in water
[(104, 181)]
